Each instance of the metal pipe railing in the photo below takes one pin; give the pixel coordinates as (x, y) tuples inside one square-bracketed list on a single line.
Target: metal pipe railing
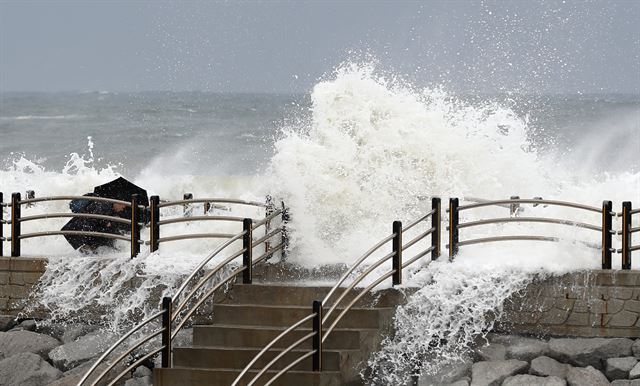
[(506, 238), (211, 201), (82, 215), (200, 218), (529, 219), (530, 201)]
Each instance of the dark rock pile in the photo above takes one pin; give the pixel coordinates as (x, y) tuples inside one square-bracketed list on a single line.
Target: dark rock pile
[(39, 354), (510, 360)]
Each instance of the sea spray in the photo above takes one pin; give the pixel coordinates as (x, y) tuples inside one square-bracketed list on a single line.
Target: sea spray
[(456, 304)]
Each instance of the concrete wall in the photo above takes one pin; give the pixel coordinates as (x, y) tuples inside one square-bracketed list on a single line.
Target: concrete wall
[(590, 303), (17, 277)]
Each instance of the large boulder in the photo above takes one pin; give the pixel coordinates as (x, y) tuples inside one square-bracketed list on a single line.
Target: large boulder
[(144, 381), (76, 330), (619, 368), (27, 369), (7, 322), (636, 348), (626, 382), (448, 373), (15, 342), (526, 349), (491, 352), (87, 347), (585, 352), (532, 380), (492, 373), (635, 372), (586, 376), (548, 367)]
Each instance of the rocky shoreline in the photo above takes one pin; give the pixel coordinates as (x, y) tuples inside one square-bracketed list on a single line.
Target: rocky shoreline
[(511, 360), (38, 353)]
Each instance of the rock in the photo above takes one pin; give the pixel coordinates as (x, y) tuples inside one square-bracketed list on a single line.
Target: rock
[(626, 382), (28, 325), (635, 372), (74, 331), (142, 371), (618, 368), (531, 380), (15, 342), (635, 348), (546, 367), (144, 381), (462, 382), (585, 352), (492, 373), (55, 330), (448, 373), (27, 369), (7, 322), (87, 347), (526, 349), (491, 352), (586, 376), (73, 376)]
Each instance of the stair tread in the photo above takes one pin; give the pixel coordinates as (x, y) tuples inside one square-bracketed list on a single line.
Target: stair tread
[(271, 328)]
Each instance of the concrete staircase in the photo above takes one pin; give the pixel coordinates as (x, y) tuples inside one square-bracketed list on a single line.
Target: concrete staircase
[(250, 316)]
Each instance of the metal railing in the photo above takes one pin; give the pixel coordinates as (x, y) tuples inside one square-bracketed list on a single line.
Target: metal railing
[(605, 230), (155, 221), (190, 296), (323, 324)]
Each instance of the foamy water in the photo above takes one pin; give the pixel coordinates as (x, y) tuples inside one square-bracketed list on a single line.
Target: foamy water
[(367, 152)]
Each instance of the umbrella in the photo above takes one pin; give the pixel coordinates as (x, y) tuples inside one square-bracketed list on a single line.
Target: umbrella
[(122, 189)]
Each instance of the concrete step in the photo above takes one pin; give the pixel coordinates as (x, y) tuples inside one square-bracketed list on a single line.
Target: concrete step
[(239, 357), (258, 336), (280, 294), (224, 377), (285, 316)]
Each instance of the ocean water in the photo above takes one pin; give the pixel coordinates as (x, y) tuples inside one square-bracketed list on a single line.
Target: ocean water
[(360, 150)]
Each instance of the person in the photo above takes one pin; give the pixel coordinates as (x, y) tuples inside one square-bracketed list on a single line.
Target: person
[(89, 244)]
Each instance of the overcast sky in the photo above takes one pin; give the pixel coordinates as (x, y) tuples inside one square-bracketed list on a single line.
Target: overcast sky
[(279, 46)]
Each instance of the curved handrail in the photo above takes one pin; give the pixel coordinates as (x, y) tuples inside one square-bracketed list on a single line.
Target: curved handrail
[(84, 215), (216, 200), (200, 218), (508, 238), (530, 219), (74, 233), (195, 236), (67, 198), (289, 367), (531, 201)]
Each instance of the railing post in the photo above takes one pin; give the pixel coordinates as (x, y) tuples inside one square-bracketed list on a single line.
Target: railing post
[(626, 235), (316, 359), (268, 211), (166, 333), (607, 236), (15, 224), (135, 226), (187, 210), (286, 217), (247, 255), (397, 253), (514, 207), (453, 227), (154, 234), (436, 207)]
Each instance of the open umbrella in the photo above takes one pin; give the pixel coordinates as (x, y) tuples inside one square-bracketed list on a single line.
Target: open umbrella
[(121, 189)]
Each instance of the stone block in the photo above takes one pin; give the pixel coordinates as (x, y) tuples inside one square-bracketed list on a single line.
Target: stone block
[(564, 304), (632, 305), (623, 319), (16, 278), (586, 376), (554, 316), (622, 293), (493, 373), (619, 278), (27, 264), (578, 319), (546, 367), (618, 368), (4, 278)]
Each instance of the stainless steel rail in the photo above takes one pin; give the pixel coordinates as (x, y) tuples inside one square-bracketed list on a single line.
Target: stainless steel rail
[(200, 218), (75, 233), (84, 215), (212, 201), (531, 201), (67, 198), (196, 236), (417, 257), (135, 364), (635, 211), (634, 248), (507, 238), (268, 218), (118, 343), (529, 219), (418, 238), (419, 220), (289, 367), (270, 345)]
